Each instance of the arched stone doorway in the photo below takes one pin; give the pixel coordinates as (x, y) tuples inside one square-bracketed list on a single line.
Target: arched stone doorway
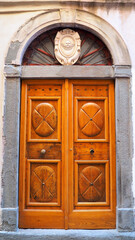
[(67, 120), (120, 71)]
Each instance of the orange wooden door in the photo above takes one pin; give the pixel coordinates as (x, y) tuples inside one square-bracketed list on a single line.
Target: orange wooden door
[(92, 199), (41, 186), (67, 154)]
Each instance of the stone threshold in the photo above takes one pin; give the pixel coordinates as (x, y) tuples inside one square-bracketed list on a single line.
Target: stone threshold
[(53, 234)]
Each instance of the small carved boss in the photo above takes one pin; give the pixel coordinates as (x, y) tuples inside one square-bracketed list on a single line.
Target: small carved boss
[(67, 46)]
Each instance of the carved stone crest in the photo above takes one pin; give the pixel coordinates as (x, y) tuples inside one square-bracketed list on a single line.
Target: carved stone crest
[(67, 46)]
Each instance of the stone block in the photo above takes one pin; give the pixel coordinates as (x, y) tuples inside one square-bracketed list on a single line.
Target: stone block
[(125, 220), (8, 219)]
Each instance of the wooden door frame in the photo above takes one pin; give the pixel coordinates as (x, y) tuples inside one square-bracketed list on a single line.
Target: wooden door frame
[(120, 72)]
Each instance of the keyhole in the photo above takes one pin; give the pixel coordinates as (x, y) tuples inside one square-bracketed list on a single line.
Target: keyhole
[(91, 151)]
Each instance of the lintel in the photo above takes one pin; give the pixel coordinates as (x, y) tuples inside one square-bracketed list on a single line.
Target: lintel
[(35, 72)]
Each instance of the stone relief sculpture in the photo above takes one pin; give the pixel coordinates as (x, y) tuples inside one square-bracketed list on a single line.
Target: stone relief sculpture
[(67, 46)]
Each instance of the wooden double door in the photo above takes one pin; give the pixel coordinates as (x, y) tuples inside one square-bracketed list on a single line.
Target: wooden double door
[(67, 154)]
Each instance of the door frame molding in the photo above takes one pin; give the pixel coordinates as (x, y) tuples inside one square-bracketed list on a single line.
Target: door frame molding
[(120, 72)]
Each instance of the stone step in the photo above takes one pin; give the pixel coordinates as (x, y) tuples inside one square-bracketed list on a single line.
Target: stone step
[(52, 234)]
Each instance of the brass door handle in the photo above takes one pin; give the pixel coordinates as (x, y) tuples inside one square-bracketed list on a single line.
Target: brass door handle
[(43, 151)]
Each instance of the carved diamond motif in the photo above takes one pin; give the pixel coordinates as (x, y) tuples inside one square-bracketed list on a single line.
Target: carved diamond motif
[(44, 119), (43, 184), (91, 119), (90, 182)]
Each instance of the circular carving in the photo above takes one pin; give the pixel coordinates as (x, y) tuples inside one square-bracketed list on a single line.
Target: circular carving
[(44, 119), (43, 184), (67, 46), (91, 119), (91, 184)]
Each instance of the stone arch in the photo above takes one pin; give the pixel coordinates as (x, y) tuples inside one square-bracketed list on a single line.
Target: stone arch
[(121, 72), (75, 18)]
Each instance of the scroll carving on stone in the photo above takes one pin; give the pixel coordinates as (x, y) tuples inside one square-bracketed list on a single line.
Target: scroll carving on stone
[(91, 119), (67, 46), (44, 119), (43, 184)]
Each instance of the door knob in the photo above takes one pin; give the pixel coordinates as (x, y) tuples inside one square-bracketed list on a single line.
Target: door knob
[(91, 151), (43, 151)]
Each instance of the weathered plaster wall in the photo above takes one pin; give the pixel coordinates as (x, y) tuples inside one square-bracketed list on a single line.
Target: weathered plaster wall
[(123, 21), (9, 24), (122, 18)]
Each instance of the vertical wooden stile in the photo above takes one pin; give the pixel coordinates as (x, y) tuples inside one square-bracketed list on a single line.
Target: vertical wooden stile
[(66, 153)]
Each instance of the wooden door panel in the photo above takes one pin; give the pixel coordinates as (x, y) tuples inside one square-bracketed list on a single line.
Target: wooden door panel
[(38, 88), (94, 90), (99, 219), (83, 151), (91, 184), (53, 150), (41, 155), (43, 183), (92, 200), (44, 119), (91, 119)]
